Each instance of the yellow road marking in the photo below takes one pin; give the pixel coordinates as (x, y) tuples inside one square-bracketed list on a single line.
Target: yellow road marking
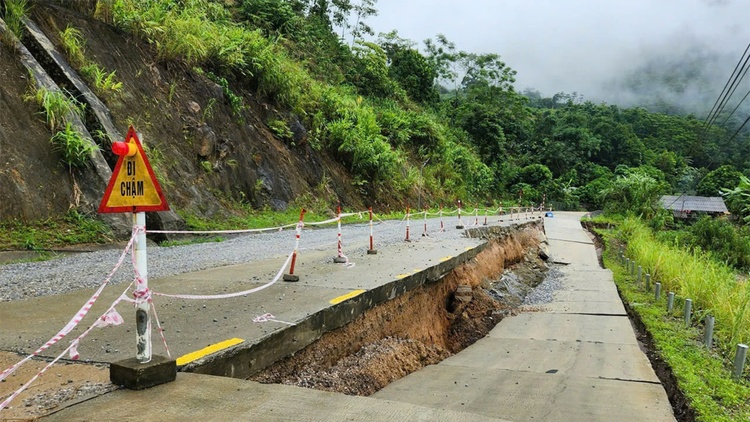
[(400, 276), (416, 270), (346, 296), (468, 248), (445, 258), (185, 359)]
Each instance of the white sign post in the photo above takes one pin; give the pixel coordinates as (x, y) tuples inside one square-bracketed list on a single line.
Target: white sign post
[(143, 322)]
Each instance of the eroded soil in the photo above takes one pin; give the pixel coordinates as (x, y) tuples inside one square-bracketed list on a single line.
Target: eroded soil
[(419, 328)]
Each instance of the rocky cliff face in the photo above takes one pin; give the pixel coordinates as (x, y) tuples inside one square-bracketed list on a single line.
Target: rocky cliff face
[(205, 154), (33, 183)]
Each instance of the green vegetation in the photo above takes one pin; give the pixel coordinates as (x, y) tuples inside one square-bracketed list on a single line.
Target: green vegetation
[(104, 83), (384, 107), (74, 45), (15, 11), (58, 107), (73, 228), (703, 375), (738, 199), (280, 128), (723, 240), (193, 241), (711, 285), (75, 150), (235, 101)]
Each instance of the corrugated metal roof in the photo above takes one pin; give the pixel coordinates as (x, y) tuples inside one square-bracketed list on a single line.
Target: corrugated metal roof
[(694, 203)]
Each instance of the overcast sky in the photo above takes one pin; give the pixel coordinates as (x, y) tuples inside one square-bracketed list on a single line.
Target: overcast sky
[(578, 45)]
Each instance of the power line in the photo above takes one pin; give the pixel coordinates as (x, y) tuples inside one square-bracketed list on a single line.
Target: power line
[(736, 84), (727, 84), (725, 91), (735, 109), (738, 130)]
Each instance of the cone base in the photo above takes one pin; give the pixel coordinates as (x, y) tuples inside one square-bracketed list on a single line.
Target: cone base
[(290, 277)]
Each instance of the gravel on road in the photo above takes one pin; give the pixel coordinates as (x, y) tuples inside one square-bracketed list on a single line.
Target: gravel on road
[(89, 269)]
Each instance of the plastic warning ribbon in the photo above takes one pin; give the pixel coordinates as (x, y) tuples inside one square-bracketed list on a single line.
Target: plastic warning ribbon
[(72, 349), (161, 330), (230, 295), (332, 220), (239, 231), (142, 295), (261, 230), (346, 263), (111, 317), (269, 317), (80, 314)]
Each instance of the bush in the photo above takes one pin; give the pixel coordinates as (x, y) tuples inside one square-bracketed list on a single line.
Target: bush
[(199, 33), (592, 194), (723, 178), (271, 15), (721, 238), (76, 151), (57, 105), (369, 71), (15, 10), (635, 193), (535, 174)]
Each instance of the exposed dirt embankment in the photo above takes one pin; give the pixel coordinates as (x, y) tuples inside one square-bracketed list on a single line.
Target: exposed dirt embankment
[(418, 328)]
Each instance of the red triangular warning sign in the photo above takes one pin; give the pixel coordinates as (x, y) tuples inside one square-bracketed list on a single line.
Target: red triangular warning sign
[(133, 186)]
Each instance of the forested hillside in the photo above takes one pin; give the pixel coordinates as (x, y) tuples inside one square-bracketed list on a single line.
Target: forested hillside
[(383, 119)]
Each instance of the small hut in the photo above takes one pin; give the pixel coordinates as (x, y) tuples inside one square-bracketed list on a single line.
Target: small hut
[(684, 206)]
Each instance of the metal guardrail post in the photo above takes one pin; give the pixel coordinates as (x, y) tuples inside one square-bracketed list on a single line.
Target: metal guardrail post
[(708, 338), (739, 360), (670, 302)]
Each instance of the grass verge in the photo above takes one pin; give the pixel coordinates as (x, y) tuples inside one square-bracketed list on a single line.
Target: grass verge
[(248, 218), (703, 376), (71, 229)]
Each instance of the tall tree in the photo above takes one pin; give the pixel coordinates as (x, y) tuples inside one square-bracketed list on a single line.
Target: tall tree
[(407, 66), (363, 10)]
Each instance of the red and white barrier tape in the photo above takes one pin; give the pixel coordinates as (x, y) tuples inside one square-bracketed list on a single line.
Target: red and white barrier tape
[(266, 229), (110, 317), (230, 295), (79, 315), (160, 329), (269, 317), (240, 231)]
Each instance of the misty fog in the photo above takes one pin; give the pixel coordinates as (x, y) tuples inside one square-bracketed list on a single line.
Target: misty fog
[(626, 52)]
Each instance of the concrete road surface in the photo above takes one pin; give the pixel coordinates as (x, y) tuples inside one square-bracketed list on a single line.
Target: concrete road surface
[(575, 360)]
